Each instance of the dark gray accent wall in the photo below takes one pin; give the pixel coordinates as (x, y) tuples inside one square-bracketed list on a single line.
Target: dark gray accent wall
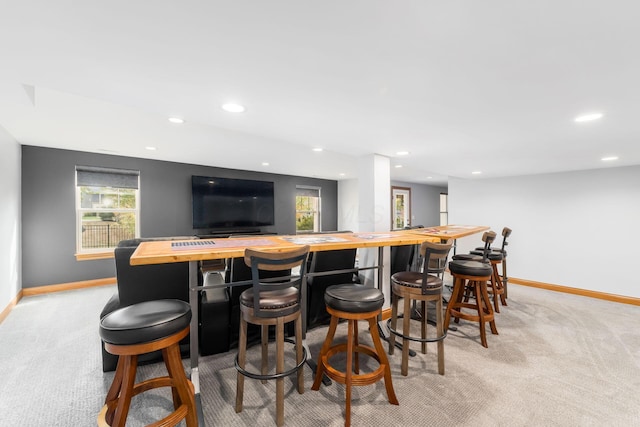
[(425, 202), (48, 208)]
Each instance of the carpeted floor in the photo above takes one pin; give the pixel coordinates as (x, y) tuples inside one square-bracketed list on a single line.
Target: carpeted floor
[(560, 360)]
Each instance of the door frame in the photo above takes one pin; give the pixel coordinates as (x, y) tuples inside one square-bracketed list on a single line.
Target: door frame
[(405, 193)]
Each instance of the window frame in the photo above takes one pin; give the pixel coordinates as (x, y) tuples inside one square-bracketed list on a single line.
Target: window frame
[(103, 252), (444, 213), (317, 214)]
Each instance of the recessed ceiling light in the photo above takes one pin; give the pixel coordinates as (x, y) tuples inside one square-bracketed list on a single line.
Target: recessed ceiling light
[(429, 177), (233, 108), (402, 153), (176, 120), (609, 158), (588, 117), (398, 166), (318, 149), (265, 163), (476, 172), (150, 148), (342, 174)]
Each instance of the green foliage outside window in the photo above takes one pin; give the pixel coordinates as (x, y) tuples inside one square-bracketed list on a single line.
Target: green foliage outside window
[(304, 222), (399, 212), (306, 212), (108, 216)]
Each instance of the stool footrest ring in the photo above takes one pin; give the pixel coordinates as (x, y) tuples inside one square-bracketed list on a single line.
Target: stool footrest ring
[(357, 379), (172, 419), (411, 338), (470, 317), (291, 371)]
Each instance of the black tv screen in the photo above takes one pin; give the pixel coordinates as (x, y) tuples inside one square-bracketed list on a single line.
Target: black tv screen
[(231, 203)]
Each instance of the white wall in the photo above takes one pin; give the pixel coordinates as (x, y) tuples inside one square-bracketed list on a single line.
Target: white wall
[(577, 229), (348, 204), (10, 252), (425, 202)]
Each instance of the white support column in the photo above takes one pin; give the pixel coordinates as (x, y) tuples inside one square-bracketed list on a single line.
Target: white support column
[(374, 211), (348, 204)]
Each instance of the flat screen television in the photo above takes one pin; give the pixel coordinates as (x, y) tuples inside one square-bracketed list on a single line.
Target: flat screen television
[(225, 203)]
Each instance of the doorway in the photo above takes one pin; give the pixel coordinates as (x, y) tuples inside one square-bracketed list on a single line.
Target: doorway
[(400, 207)]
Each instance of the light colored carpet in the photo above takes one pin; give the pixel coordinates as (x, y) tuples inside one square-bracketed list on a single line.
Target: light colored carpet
[(560, 360)]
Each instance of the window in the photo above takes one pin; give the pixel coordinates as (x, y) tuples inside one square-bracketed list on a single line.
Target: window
[(107, 207), (400, 207), (307, 209), (444, 209)]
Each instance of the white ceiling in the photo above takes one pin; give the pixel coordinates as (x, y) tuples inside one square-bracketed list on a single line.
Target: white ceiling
[(462, 85)]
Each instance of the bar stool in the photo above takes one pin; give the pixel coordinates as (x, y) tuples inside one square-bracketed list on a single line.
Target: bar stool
[(353, 303), (497, 287), (471, 277), (273, 301), (504, 279), (419, 286), (493, 258), (138, 329)]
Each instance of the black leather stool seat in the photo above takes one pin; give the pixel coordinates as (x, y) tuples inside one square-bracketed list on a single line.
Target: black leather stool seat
[(481, 248), (353, 298), (477, 256), (413, 279), (470, 268), (493, 256), (145, 322), (466, 257), (271, 300)]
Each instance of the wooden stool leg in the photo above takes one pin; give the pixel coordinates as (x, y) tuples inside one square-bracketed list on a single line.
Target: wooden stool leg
[(406, 325), (114, 391), (440, 332), (467, 293), (242, 355), (457, 284), (423, 325), (487, 308), (279, 370), (501, 286), (299, 353), (325, 347), (181, 385), (177, 401), (349, 372), (388, 384), (264, 339), (481, 312), (505, 279), (356, 357), (495, 289), (394, 321), (126, 391), (463, 296)]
